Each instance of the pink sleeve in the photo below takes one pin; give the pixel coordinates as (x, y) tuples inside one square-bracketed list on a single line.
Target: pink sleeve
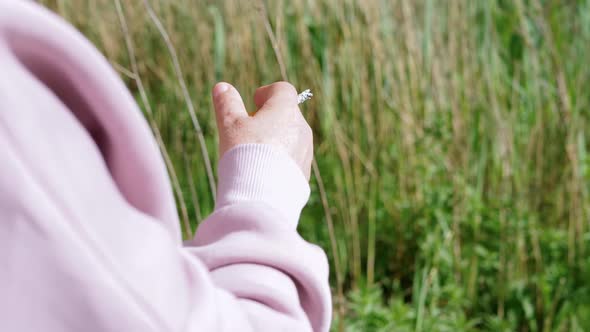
[(89, 234), (275, 279)]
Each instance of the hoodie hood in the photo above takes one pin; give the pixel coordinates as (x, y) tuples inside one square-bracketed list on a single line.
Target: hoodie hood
[(43, 50)]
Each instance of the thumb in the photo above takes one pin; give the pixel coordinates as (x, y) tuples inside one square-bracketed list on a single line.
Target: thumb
[(228, 104)]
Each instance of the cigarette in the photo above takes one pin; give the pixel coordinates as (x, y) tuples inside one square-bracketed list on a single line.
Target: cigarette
[(304, 96)]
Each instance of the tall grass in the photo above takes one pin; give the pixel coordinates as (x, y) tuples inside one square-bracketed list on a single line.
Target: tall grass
[(451, 138)]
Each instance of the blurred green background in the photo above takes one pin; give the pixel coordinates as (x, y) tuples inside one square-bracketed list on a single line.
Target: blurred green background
[(451, 188)]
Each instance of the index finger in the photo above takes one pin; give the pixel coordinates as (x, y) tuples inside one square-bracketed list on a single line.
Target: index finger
[(279, 94)]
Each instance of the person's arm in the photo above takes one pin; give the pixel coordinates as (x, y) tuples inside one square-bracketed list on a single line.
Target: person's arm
[(250, 244)]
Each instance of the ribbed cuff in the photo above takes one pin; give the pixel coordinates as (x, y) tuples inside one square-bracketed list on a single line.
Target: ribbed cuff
[(262, 173)]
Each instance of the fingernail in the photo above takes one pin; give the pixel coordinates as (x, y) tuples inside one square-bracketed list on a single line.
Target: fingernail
[(220, 88)]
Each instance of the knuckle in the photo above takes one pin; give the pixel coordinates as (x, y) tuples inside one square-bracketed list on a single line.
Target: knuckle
[(220, 105), (259, 89), (285, 87), (239, 123), (228, 122), (231, 120), (224, 107)]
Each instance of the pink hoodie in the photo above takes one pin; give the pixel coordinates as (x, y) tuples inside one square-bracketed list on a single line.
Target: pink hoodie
[(89, 236)]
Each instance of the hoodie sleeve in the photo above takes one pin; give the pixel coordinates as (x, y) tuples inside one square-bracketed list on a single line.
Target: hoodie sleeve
[(89, 232), (251, 247)]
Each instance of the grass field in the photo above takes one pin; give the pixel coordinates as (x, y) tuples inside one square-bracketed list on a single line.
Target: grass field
[(452, 184)]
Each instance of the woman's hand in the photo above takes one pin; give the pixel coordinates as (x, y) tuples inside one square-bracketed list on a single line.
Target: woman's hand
[(278, 121)]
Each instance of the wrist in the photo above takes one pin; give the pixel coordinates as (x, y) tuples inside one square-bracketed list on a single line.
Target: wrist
[(262, 173)]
